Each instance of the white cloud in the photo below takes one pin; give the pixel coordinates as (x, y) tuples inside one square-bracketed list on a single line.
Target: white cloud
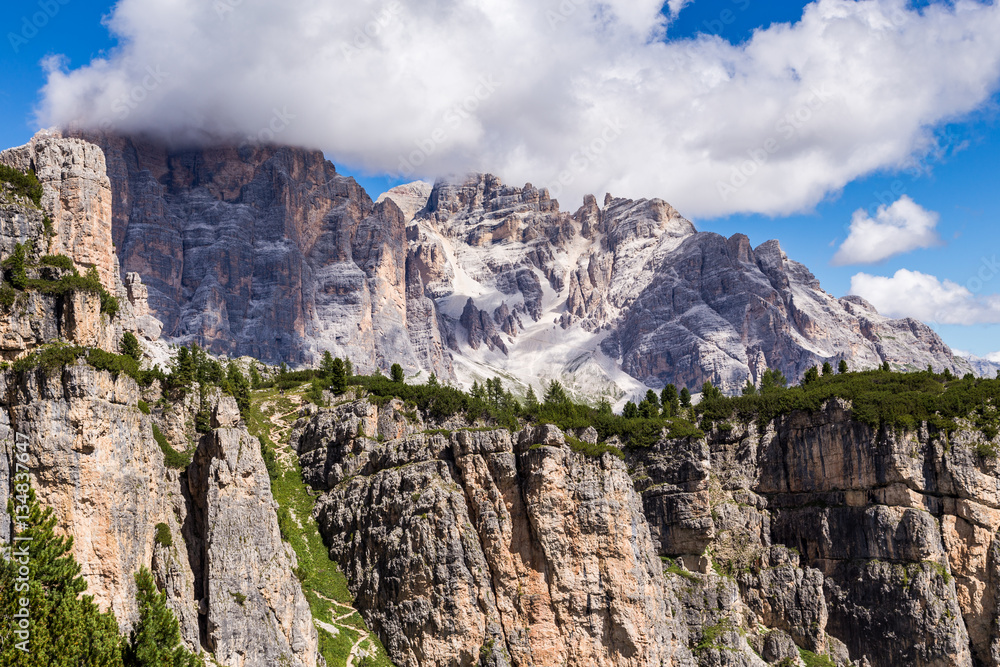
[(527, 90), (926, 298), (676, 6), (896, 229)]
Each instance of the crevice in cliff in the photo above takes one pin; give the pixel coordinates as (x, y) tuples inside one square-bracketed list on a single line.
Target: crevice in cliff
[(194, 530)]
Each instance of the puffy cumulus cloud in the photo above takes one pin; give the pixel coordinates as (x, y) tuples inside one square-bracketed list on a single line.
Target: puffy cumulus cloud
[(927, 298), (577, 95), (895, 229)]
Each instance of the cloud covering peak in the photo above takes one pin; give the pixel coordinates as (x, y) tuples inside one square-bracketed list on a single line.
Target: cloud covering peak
[(578, 96)]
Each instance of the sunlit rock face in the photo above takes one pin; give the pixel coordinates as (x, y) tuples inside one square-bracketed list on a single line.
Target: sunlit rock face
[(267, 251)]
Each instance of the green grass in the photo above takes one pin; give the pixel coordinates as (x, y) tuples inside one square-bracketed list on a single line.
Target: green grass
[(321, 578), (813, 660)]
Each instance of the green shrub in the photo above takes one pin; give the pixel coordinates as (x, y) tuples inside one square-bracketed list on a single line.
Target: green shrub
[(58, 261), (171, 457), (23, 184), (143, 407), (163, 536), (15, 267), (7, 296), (130, 346)]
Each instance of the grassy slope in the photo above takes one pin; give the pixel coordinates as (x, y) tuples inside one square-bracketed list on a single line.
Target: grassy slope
[(323, 583)]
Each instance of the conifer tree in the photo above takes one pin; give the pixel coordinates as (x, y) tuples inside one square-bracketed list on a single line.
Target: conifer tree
[(64, 628), (531, 400), (238, 386), (130, 346), (685, 398), (397, 373), (338, 377), (555, 394), (842, 366), (326, 367), (670, 401), (156, 639), (827, 368)]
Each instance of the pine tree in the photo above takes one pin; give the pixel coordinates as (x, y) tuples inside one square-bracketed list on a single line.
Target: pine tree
[(811, 376), (555, 394), (156, 639), (670, 401), (338, 377), (749, 389), (183, 371), (238, 386), (397, 373), (130, 346), (326, 366), (15, 265), (255, 378), (772, 380), (827, 368), (66, 629), (685, 398), (432, 381), (631, 411), (348, 367), (531, 400), (842, 366)]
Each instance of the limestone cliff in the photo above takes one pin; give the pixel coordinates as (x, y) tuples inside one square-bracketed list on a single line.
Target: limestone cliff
[(208, 529), (813, 533), (267, 251)]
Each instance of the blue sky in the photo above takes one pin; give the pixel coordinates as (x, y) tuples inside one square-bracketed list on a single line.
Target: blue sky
[(953, 183)]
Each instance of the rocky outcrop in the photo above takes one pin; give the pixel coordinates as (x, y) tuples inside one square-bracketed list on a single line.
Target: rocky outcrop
[(73, 220), (77, 199), (487, 547), (814, 533), (94, 460)]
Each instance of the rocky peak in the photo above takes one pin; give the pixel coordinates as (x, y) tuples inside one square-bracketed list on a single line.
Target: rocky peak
[(74, 220), (411, 198), (76, 198)]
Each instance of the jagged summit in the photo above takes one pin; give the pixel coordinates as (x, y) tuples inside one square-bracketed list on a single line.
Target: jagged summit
[(269, 252)]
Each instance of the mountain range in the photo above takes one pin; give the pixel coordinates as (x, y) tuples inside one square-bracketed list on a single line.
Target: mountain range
[(267, 251)]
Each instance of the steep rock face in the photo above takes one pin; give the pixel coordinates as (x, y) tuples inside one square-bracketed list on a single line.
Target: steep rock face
[(77, 199), (94, 460), (488, 546), (813, 532), (257, 614), (74, 220), (267, 252)]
